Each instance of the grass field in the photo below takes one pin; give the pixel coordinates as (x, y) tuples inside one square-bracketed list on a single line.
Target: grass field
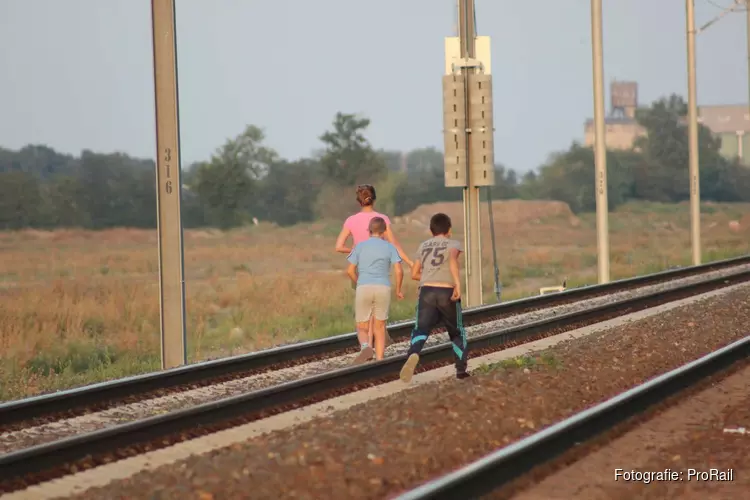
[(78, 307)]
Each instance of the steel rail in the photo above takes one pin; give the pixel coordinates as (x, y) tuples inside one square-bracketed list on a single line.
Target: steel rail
[(198, 373), (166, 429), (511, 462)]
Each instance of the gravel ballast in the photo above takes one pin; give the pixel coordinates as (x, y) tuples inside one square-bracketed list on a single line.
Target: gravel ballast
[(697, 432), (38, 434), (720, 444), (378, 449)]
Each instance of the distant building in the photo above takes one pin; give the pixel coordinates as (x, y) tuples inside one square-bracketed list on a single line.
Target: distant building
[(621, 126), (731, 123), (620, 132)]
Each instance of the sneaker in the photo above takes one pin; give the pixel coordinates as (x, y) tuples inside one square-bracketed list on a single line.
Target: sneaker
[(407, 372), (365, 354), (462, 375)]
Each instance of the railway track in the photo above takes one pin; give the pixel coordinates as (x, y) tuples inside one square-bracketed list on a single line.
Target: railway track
[(485, 476), (42, 462), (67, 404)]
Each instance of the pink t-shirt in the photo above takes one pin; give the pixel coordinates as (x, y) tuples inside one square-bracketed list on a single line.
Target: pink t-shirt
[(359, 224)]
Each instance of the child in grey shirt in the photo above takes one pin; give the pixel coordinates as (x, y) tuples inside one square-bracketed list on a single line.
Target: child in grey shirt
[(437, 270)]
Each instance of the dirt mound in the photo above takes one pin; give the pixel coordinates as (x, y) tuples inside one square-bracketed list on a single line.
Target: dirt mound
[(505, 212)]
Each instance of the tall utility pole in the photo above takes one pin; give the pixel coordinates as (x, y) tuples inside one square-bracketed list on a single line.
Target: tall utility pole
[(600, 144), (468, 134), (747, 29), (695, 199), (168, 186)]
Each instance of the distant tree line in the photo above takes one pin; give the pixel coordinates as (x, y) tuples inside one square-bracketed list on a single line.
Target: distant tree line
[(42, 188)]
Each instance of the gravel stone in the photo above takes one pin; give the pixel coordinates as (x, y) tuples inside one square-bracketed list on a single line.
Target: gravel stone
[(376, 450)]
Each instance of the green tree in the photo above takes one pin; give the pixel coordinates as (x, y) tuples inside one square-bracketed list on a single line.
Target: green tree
[(528, 188), (662, 174), (288, 192), (570, 177), (63, 207), (115, 190), (41, 161), (97, 189), (349, 158), (20, 200), (227, 185)]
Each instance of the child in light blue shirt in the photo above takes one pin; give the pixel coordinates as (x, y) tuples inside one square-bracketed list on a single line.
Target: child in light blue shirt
[(370, 268)]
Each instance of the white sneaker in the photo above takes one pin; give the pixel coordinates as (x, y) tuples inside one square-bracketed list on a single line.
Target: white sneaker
[(407, 372), (365, 354)]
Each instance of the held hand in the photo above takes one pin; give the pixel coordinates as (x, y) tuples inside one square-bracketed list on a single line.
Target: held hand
[(456, 294)]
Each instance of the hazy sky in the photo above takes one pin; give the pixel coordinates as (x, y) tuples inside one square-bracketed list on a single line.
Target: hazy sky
[(77, 74)]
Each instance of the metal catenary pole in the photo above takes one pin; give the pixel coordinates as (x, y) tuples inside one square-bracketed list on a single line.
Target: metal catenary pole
[(468, 134), (600, 145), (746, 151), (695, 210), (168, 186), (473, 295)]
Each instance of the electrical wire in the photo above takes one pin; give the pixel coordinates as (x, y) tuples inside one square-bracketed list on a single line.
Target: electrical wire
[(724, 7)]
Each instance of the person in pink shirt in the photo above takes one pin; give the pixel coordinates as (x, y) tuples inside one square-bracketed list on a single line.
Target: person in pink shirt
[(357, 227)]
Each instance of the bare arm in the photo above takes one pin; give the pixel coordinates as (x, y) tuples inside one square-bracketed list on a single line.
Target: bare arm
[(351, 271), (341, 241), (416, 271), (399, 269), (392, 240), (455, 272)]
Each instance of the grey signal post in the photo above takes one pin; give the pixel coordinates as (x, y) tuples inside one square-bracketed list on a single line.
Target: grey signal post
[(468, 135), (168, 186)]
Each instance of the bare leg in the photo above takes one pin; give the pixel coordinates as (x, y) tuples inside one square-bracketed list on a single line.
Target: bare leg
[(363, 333), (363, 316), (379, 332), (371, 330), (388, 339)]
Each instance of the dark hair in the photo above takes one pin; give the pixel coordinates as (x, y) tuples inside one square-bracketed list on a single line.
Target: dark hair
[(366, 195), (440, 224), (377, 225)]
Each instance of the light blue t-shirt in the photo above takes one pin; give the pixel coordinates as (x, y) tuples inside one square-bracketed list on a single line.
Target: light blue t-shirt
[(373, 258)]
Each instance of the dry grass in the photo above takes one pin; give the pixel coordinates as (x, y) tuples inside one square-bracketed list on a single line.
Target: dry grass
[(78, 307)]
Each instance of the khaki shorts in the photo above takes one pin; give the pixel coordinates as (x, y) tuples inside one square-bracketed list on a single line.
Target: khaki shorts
[(372, 300)]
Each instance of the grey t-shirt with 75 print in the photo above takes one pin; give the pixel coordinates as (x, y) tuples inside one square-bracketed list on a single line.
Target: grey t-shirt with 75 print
[(434, 254)]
